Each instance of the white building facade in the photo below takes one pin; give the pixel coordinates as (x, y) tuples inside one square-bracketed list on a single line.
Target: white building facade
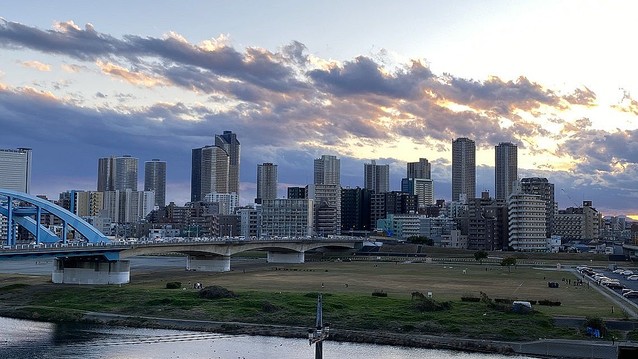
[(15, 169), (527, 222)]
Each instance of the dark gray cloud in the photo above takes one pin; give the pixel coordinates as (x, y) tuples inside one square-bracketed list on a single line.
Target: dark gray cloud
[(599, 150), (500, 96), (67, 39), (254, 66), (365, 76)]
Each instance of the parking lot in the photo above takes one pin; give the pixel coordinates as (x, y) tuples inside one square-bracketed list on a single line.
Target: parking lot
[(624, 283)]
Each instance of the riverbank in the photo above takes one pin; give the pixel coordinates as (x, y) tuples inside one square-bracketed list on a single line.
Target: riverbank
[(542, 348)]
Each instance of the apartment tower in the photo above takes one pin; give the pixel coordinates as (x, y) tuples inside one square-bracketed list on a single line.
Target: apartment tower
[(266, 182), (463, 168), (506, 168), (228, 141), (155, 180), (376, 177), (117, 173), (327, 170)]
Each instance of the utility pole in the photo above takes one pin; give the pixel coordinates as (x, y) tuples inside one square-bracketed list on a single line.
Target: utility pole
[(317, 335)]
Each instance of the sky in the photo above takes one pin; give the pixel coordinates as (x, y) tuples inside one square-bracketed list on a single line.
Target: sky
[(392, 81)]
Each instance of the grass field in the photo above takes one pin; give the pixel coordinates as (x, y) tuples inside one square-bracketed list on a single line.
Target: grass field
[(286, 294), (399, 280)]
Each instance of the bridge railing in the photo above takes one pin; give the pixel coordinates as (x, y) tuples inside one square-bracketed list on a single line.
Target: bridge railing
[(118, 244)]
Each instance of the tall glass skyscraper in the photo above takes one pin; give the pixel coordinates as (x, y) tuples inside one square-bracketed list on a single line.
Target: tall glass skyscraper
[(155, 180), (117, 173), (463, 168), (15, 169), (506, 168), (327, 170)]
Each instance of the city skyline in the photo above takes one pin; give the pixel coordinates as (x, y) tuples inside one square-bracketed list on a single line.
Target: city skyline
[(362, 83)]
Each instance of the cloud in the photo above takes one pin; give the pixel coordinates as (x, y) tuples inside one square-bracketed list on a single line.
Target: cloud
[(255, 66), (72, 68), (584, 96), (136, 78), (601, 151), (364, 76), (37, 65), (627, 104), (289, 106)]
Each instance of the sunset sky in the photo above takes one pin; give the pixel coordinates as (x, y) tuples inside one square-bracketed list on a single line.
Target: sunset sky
[(386, 80)]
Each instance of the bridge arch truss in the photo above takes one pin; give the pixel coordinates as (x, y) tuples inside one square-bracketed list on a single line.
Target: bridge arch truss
[(25, 210)]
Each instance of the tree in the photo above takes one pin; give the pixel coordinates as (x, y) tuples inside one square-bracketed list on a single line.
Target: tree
[(480, 255), (509, 262)]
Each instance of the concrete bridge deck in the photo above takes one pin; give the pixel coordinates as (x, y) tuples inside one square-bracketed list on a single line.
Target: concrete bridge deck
[(105, 262)]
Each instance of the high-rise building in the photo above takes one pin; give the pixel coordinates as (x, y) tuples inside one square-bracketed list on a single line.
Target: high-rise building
[(578, 223), (210, 168), (506, 168), (542, 187), (155, 180), (15, 169), (376, 177), (421, 169), (228, 141), (266, 182), (117, 173), (423, 188), (484, 221), (83, 203), (526, 221), (296, 193), (463, 168), (228, 202), (355, 210), (327, 202), (128, 206), (327, 170)]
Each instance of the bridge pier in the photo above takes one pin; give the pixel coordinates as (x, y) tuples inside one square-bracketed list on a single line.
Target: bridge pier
[(90, 270), (208, 263), (285, 257)]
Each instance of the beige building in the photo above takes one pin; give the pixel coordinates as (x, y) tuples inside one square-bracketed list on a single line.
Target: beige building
[(578, 223)]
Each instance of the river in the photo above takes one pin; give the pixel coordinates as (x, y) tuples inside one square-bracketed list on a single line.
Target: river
[(34, 340)]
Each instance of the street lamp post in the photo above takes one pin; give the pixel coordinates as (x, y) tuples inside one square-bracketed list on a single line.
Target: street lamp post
[(317, 335)]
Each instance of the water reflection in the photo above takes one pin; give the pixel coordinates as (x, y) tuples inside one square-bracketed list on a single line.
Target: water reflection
[(28, 339)]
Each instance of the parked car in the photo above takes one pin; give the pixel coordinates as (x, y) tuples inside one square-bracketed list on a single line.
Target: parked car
[(633, 277), (632, 294), (627, 272), (615, 285)]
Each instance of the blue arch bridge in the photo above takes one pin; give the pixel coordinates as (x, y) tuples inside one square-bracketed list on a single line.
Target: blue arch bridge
[(97, 260)]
